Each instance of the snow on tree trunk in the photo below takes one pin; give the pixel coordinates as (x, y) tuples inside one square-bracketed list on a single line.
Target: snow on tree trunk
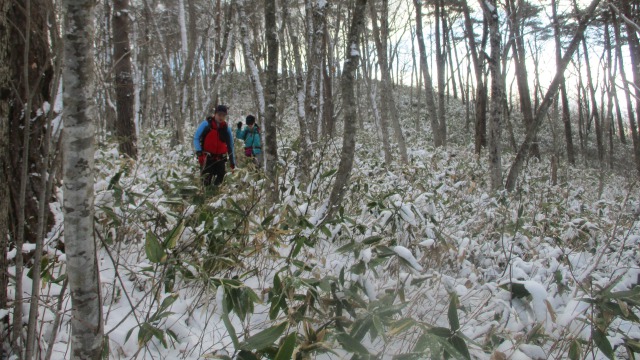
[(79, 147), (349, 104), (125, 127), (271, 143)]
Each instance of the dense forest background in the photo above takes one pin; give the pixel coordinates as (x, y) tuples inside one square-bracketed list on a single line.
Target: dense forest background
[(449, 178)]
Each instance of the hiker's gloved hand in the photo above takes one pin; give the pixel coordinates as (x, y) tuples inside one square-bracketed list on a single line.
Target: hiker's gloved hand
[(202, 158), (240, 125), (233, 166)]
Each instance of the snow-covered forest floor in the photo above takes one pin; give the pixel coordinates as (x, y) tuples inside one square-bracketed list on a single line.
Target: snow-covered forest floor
[(422, 259)]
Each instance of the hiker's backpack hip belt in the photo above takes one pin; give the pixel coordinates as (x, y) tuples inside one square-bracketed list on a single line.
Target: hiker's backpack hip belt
[(216, 156)]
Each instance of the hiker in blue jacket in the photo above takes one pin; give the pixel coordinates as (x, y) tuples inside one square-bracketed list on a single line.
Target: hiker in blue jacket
[(251, 136), (213, 144)]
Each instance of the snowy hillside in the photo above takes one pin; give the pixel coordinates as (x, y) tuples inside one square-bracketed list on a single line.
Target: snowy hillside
[(421, 260)]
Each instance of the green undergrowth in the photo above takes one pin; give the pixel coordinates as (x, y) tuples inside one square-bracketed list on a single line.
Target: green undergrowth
[(289, 283)]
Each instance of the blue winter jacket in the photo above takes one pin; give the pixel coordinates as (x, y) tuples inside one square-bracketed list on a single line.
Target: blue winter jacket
[(251, 138), (198, 140)]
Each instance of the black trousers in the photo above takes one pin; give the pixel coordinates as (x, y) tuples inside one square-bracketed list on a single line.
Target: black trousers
[(214, 167)]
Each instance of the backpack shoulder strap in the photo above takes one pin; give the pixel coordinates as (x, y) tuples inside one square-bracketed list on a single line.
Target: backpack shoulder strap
[(206, 131)]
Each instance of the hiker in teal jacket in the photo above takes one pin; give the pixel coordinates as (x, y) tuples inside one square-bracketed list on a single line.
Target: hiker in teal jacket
[(251, 136)]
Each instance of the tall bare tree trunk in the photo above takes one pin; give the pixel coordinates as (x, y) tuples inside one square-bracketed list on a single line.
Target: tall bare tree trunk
[(519, 57), (7, 73), (349, 100), (147, 68), (566, 117), (380, 34), (619, 60), (495, 157), (305, 154), (125, 127), (518, 162), (27, 74), (610, 90), (271, 143), (428, 84), (594, 104), (328, 116), (481, 90), (440, 69), (78, 164), (315, 38), (634, 51), (250, 63), (47, 174)]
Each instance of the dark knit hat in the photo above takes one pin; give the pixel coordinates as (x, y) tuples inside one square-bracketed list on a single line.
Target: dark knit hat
[(222, 109), (250, 119)]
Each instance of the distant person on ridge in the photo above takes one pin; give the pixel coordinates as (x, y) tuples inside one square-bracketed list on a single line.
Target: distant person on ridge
[(213, 142), (251, 136)]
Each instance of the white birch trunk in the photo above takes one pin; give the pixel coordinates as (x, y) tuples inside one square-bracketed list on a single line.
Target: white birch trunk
[(79, 147), (250, 63)]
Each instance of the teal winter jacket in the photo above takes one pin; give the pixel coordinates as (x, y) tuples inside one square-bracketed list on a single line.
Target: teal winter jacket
[(251, 138)]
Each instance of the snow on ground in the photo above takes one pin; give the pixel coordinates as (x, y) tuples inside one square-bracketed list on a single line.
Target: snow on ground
[(527, 267)]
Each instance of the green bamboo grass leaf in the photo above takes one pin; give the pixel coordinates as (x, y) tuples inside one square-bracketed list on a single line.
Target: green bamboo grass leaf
[(153, 248), (265, 338), (351, 344), (286, 350), (454, 322), (600, 338)]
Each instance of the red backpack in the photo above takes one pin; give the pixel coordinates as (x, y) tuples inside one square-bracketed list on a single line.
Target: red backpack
[(215, 137)]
